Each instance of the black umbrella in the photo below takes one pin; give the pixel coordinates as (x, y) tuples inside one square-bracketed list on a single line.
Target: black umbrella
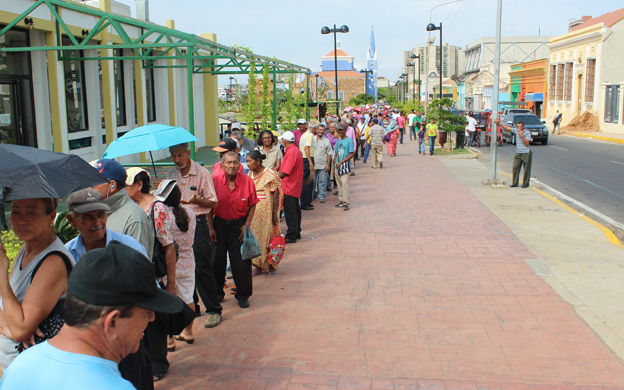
[(28, 173)]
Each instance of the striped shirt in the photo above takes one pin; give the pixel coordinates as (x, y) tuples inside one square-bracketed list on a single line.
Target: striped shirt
[(292, 166), (520, 146)]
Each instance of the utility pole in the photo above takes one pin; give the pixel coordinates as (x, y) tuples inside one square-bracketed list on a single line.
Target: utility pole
[(493, 145)]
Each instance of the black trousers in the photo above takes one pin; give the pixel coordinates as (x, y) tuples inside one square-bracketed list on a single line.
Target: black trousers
[(136, 369), (205, 280), (228, 243), (156, 345), (292, 214), (306, 190)]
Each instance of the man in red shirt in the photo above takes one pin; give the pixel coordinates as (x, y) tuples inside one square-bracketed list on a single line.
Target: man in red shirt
[(232, 217), (291, 173)]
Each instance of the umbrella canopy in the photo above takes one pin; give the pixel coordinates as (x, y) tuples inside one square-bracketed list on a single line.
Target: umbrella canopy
[(148, 138), (28, 173)]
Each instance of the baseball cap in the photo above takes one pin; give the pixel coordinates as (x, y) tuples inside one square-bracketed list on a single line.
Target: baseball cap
[(288, 136), (301, 121), (236, 126), (275, 133), (342, 126), (132, 172), (118, 275), (85, 201), (111, 169), (164, 189), (226, 145)]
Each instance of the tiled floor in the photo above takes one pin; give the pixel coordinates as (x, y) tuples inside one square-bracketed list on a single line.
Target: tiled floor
[(419, 285)]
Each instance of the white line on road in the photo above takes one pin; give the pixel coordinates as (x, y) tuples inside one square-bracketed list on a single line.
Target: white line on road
[(556, 147), (617, 162)]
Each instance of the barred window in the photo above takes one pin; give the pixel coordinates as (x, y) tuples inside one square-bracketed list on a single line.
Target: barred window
[(559, 93), (612, 99), (567, 83), (590, 79), (552, 81)]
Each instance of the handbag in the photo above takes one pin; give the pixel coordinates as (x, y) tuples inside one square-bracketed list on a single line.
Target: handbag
[(387, 137), (53, 323), (344, 168), (159, 258), (277, 246), (250, 248)]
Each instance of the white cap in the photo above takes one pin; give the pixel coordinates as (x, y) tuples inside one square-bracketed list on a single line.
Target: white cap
[(288, 136), (301, 121), (236, 125)]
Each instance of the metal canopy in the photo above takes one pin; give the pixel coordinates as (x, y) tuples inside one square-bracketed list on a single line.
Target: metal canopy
[(154, 43)]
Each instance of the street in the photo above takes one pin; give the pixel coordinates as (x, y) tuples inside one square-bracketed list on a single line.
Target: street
[(586, 170)]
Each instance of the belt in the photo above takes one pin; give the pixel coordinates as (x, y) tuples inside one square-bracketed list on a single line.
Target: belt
[(231, 221), (200, 218)]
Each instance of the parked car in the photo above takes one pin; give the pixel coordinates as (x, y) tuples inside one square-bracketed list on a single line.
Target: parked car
[(538, 128), (508, 111)]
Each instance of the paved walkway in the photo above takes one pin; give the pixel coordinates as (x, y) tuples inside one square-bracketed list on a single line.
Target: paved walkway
[(419, 285)]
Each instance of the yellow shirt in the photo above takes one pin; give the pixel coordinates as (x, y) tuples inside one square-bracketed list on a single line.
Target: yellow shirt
[(366, 135), (306, 140), (432, 130)]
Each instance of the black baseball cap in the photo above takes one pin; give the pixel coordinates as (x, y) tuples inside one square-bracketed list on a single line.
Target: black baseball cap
[(226, 145), (85, 201), (118, 275)]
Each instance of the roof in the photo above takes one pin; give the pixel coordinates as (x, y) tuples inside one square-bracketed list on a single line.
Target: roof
[(608, 19), (339, 52), (330, 74)]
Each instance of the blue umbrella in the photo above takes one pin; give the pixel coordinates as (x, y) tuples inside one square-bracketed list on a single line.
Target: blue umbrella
[(148, 138)]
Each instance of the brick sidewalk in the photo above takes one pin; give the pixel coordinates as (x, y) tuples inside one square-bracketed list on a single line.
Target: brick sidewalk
[(419, 285)]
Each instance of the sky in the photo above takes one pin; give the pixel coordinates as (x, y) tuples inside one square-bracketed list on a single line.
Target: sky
[(290, 30)]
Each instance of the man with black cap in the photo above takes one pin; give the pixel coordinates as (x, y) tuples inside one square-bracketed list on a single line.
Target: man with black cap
[(111, 297)]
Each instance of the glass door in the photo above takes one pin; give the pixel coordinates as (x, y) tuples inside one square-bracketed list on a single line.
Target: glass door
[(10, 113)]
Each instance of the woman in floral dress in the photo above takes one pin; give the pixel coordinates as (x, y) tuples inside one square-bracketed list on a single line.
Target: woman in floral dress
[(265, 224), (393, 129)]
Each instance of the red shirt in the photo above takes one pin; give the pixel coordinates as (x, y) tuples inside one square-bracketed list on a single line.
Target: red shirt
[(297, 134), (217, 171), (234, 204), (292, 166)]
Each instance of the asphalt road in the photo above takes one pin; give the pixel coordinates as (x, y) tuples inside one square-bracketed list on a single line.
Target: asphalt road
[(592, 172)]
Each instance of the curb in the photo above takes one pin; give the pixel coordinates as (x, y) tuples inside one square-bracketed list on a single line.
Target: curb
[(599, 137)]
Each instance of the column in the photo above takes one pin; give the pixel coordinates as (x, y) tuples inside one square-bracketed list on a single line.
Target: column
[(211, 102), (58, 109)]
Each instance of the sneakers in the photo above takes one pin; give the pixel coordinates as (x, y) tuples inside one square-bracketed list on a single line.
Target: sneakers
[(340, 205), (345, 207), (352, 174), (336, 193), (243, 303), (212, 321), (233, 290), (322, 200)]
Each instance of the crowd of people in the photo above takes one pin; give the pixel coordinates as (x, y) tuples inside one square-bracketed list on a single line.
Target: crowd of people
[(101, 289)]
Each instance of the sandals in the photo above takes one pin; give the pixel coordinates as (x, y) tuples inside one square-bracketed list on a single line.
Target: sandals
[(180, 338), (272, 274), (158, 375), (256, 273)]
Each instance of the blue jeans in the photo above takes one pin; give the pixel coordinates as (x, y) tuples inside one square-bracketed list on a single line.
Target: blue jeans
[(366, 152), (431, 144), (421, 145), (413, 133), (320, 181), (402, 131), (329, 183)]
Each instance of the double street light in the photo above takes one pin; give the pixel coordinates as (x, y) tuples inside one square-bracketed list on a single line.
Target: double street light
[(366, 73), (404, 86), (433, 27), (327, 30), (414, 56)]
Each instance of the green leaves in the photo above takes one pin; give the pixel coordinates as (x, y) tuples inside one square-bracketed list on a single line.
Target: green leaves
[(439, 110)]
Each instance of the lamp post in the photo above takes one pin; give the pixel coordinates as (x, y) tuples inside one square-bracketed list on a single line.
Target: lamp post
[(366, 73), (405, 90), (230, 92), (414, 56), (433, 27), (327, 30), (411, 64), (316, 76)]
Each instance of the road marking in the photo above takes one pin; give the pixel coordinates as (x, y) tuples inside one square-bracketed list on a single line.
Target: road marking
[(556, 147), (617, 162), (473, 149)]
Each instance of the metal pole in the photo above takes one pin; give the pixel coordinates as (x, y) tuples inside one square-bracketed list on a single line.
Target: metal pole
[(336, 72), (419, 95), (307, 108), (494, 128), (275, 99), (441, 65), (191, 108), (414, 86)]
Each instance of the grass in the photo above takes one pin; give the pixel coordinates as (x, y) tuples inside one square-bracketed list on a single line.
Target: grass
[(448, 152)]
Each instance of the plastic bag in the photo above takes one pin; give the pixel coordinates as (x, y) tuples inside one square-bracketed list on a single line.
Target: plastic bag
[(276, 250), (250, 248)]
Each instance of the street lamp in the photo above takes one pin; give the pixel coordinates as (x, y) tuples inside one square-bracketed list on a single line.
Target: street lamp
[(404, 86), (366, 73), (414, 56), (316, 76), (433, 27), (230, 92), (327, 30)]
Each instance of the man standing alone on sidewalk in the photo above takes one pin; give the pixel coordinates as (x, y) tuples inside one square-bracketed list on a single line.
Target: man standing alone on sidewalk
[(471, 126), (291, 174), (557, 122), (376, 138), (523, 156), (344, 153)]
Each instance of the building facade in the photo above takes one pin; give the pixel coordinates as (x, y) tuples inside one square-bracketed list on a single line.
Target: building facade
[(529, 84), (514, 50), (350, 82), (612, 76)]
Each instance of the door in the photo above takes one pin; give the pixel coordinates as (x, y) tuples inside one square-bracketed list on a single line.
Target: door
[(11, 131), (580, 94)]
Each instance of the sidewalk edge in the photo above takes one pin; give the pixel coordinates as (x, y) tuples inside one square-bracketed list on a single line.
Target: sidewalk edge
[(599, 137)]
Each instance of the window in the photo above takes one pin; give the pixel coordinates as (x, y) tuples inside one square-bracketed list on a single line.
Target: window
[(567, 82), (75, 91), (341, 96), (151, 97), (559, 91), (590, 78), (330, 95), (120, 90), (612, 103), (552, 81)]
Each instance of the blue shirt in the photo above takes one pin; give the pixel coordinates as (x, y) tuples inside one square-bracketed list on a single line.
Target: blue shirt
[(46, 367), (343, 148), (77, 249)]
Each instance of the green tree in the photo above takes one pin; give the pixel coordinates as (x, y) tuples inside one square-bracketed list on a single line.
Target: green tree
[(440, 111), (363, 98)]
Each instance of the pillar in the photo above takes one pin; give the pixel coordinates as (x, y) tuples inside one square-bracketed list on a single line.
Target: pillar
[(108, 84), (58, 109), (211, 102)]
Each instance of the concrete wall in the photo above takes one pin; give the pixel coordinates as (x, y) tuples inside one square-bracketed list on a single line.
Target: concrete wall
[(612, 72)]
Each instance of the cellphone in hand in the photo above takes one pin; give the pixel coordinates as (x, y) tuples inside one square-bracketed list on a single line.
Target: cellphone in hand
[(193, 188)]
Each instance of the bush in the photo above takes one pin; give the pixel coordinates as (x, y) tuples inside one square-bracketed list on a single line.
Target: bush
[(12, 245)]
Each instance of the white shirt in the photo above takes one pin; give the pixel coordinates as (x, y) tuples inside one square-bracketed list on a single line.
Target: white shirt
[(410, 119), (472, 123)]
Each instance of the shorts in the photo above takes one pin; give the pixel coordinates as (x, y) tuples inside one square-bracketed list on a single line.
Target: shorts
[(185, 284)]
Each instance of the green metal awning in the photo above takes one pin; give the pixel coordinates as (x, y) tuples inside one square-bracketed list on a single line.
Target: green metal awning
[(154, 43)]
